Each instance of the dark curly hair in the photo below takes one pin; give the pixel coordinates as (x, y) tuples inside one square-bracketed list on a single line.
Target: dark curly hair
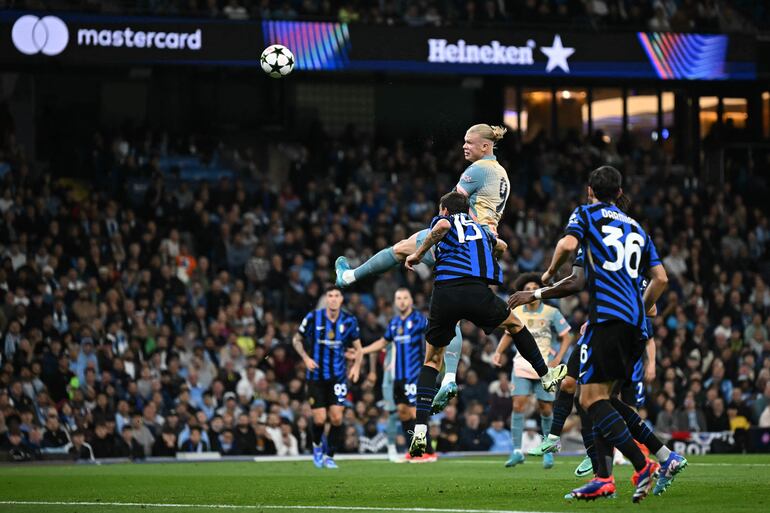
[(525, 278)]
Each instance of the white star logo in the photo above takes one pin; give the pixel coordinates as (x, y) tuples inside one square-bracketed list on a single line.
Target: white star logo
[(557, 55)]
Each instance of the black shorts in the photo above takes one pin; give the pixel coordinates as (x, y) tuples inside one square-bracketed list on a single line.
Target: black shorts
[(457, 300), (405, 392), (608, 352), (322, 394), (573, 364)]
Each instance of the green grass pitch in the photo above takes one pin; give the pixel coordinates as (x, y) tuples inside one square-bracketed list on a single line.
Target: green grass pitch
[(709, 484)]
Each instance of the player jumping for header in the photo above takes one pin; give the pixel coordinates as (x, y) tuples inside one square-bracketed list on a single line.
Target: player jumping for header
[(485, 183)]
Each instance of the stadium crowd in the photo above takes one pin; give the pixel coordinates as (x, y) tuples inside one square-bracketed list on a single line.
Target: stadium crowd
[(659, 15), (164, 325)]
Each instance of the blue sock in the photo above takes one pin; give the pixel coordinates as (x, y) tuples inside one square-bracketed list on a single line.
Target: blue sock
[(453, 352), (380, 263), (392, 428), (517, 429), (609, 425), (545, 424)]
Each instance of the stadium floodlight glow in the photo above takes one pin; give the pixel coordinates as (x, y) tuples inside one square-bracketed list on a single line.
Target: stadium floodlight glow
[(32, 35)]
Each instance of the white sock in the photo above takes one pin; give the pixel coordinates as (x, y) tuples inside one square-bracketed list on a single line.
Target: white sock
[(348, 276), (420, 428), (663, 454), (449, 377)]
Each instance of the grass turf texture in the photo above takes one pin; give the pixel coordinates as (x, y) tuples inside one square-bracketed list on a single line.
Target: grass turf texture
[(710, 483)]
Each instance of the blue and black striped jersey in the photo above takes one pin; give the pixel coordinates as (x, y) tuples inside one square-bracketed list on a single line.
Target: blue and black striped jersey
[(615, 247), (326, 341), (466, 251), (408, 338)]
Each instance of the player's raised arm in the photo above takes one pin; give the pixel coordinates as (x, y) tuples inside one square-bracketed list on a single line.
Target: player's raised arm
[(564, 248)]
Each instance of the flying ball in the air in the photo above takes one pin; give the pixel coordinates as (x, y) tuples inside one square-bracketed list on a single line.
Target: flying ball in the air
[(277, 61)]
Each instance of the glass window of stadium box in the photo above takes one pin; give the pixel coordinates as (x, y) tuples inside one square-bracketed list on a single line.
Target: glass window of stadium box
[(734, 113), (642, 116), (535, 113), (708, 107), (606, 112), (571, 112), (766, 114), (511, 115)]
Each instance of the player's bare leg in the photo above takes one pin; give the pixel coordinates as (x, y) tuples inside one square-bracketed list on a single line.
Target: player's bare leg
[(380, 263)]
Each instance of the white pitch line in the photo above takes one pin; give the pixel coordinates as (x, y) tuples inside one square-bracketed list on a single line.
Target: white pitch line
[(255, 506)]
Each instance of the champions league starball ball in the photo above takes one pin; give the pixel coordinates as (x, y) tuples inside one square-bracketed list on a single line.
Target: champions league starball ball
[(277, 61)]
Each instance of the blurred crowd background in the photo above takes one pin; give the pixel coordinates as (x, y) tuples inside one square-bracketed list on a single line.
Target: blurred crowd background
[(657, 15), (151, 322)]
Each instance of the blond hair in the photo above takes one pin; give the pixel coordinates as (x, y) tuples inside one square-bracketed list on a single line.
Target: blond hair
[(490, 132)]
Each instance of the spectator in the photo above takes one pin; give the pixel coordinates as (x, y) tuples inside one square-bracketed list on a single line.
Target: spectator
[(665, 422), (472, 437), (689, 417), (81, 450), (126, 446), (716, 416), (194, 443), (54, 437), (165, 445), (501, 437), (103, 443)]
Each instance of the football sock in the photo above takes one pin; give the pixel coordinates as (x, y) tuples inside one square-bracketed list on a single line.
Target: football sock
[(381, 262), (526, 345), (562, 407), (587, 430), (407, 426), (336, 438), (517, 428), (426, 391), (318, 433), (603, 460), (545, 424), (391, 430), (639, 429), (608, 422), (452, 356)]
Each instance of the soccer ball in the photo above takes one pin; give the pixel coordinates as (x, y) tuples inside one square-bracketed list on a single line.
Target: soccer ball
[(277, 61)]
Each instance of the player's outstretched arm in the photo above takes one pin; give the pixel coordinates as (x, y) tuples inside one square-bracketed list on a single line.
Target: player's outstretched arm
[(572, 284), (299, 346), (376, 346), (658, 285), (564, 248), (438, 232)]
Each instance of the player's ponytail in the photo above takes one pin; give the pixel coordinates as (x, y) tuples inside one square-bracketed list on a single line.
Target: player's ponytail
[(490, 132)]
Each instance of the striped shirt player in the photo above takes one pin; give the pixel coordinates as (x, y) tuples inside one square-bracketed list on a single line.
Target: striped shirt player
[(615, 249), (466, 264), (632, 391), (466, 251), (325, 342), (407, 336)]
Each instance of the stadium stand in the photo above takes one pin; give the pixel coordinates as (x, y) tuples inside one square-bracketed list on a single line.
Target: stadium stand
[(150, 312)]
